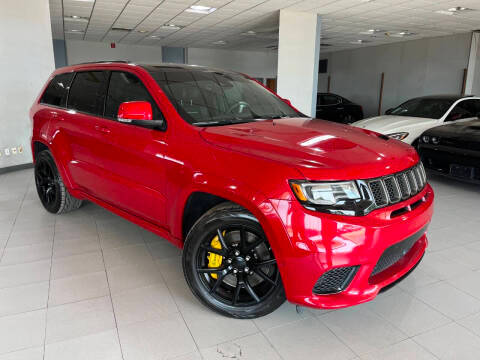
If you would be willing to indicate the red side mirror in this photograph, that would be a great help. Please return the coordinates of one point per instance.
(135, 110)
(288, 102)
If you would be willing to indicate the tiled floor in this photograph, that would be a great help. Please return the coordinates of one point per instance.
(89, 285)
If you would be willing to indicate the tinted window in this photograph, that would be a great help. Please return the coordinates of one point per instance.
(423, 107)
(464, 110)
(87, 92)
(57, 90)
(127, 87)
(471, 105)
(204, 97)
(329, 100)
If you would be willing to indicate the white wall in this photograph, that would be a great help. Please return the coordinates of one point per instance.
(26, 60)
(412, 68)
(79, 51)
(253, 63)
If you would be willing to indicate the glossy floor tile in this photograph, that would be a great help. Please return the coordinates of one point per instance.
(90, 285)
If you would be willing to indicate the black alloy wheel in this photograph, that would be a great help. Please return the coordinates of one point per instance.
(51, 190)
(230, 265)
(47, 184)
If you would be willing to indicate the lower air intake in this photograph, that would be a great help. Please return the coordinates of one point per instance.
(335, 280)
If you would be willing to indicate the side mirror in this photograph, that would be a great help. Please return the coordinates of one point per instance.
(388, 112)
(288, 102)
(137, 113)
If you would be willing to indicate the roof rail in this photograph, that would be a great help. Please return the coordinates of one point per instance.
(104, 61)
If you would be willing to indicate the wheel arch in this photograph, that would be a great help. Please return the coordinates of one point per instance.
(38, 146)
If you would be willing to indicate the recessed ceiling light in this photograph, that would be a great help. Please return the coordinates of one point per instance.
(219, 42)
(155, 36)
(403, 34)
(249, 33)
(359, 41)
(171, 27)
(372, 31)
(445, 12)
(76, 18)
(75, 31)
(459, 8)
(453, 10)
(200, 9)
(142, 31)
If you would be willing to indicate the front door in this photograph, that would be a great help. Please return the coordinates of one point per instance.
(133, 156)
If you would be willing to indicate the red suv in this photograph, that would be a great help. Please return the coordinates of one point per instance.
(267, 204)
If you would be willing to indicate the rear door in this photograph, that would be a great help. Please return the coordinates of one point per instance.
(133, 156)
(83, 132)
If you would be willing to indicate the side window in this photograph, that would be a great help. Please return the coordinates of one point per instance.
(463, 110)
(125, 87)
(56, 92)
(330, 100)
(87, 93)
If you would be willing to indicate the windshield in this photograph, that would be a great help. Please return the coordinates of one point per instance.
(423, 108)
(205, 97)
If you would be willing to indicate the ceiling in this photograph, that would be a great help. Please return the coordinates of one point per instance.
(343, 21)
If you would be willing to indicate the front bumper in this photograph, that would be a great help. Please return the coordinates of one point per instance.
(317, 242)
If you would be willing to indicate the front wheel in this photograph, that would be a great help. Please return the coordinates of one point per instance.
(229, 264)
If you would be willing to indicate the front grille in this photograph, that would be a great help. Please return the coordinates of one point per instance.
(396, 252)
(335, 280)
(400, 186)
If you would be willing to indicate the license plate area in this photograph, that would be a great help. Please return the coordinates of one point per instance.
(461, 171)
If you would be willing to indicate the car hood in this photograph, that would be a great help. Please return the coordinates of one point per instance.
(320, 150)
(388, 124)
(459, 129)
(464, 135)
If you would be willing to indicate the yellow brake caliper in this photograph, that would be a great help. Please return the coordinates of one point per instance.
(215, 260)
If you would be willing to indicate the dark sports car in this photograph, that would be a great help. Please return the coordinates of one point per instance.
(338, 109)
(453, 150)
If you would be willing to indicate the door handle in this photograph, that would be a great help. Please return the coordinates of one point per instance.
(102, 129)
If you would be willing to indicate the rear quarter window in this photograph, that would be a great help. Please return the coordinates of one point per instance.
(57, 91)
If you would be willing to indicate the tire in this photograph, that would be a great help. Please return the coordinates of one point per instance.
(247, 265)
(51, 190)
(348, 119)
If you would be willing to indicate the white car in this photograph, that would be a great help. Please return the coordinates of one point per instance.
(409, 120)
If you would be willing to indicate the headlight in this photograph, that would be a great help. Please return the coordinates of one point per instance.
(398, 135)
(325, 193)
(341, 198)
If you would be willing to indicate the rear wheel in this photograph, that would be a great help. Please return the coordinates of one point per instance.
(51, 190)
(229, 264)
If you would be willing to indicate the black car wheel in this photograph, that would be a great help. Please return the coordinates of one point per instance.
(229, 264)
(348, 119)
(51, 190)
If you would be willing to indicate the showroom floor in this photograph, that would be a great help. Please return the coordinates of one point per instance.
(90, 285)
